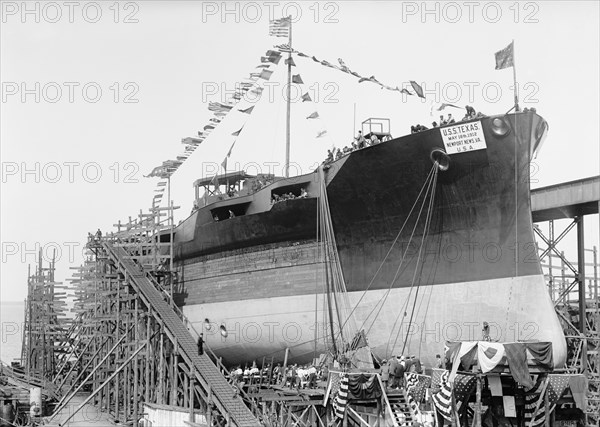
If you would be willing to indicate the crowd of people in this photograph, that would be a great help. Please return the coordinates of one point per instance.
(276, 198)
(469, 115)
(303, 376)
(392, 370)
(359, 142)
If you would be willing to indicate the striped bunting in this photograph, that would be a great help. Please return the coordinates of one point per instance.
(416, 385)
(555, 386)
(414, 406)
(533, 399)
(443, 399)
(341, 399)
(463, 387)
(436, 377)
(335, 379)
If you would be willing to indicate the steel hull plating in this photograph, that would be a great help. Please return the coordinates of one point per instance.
(476, 262)
(516, 309)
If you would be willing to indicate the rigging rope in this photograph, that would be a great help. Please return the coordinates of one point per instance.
(383, 299)
(332, 267)
(430, 186)
(423, 240)
(392, 246)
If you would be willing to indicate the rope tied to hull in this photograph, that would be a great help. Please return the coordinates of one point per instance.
(428, 188)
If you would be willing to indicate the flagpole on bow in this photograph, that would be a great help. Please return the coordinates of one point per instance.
(289, 85)
(516, 91)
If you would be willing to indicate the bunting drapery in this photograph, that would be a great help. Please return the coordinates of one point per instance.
(466, 355)
(516, 356)
(416, 384)
(555, 386)
(364, 386)
(491, 354)
(443, 398)
(341, 399)
(452, 395)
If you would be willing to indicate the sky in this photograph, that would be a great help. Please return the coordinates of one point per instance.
(96, 94)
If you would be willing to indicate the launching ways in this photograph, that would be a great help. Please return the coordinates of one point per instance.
(567, 280)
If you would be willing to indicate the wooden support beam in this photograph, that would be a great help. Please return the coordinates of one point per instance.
(191, 377)
(136, 373)
(91, 396)
(65, 400)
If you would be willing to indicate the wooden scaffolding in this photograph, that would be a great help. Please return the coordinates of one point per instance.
(45, 323)
(130, 344)
(573, 288)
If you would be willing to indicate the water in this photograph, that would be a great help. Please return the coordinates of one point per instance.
(11, 317)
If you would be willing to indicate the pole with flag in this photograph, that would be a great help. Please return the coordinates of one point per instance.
(289, 104)
(283, 28)
(506, 58)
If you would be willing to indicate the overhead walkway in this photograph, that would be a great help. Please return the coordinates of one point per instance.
(566, 200)
(228, 403)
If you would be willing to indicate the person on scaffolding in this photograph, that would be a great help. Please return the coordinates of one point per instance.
(200, 345)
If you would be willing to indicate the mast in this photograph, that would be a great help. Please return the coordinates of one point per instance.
(289, 103)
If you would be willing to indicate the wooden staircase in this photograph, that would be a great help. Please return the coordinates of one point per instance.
(208, 375)
(398, 408)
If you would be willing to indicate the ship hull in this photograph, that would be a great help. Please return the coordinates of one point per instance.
(464, 248)
(516, 309)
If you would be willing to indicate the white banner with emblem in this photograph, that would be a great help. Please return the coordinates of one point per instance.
(463, 137)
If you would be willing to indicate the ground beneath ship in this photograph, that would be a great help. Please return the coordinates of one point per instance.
(88, 416)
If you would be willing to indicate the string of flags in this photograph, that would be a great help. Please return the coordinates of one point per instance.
(504, 59)
(280, 28)
(315, 115)
(418, 90)
(220, 110)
